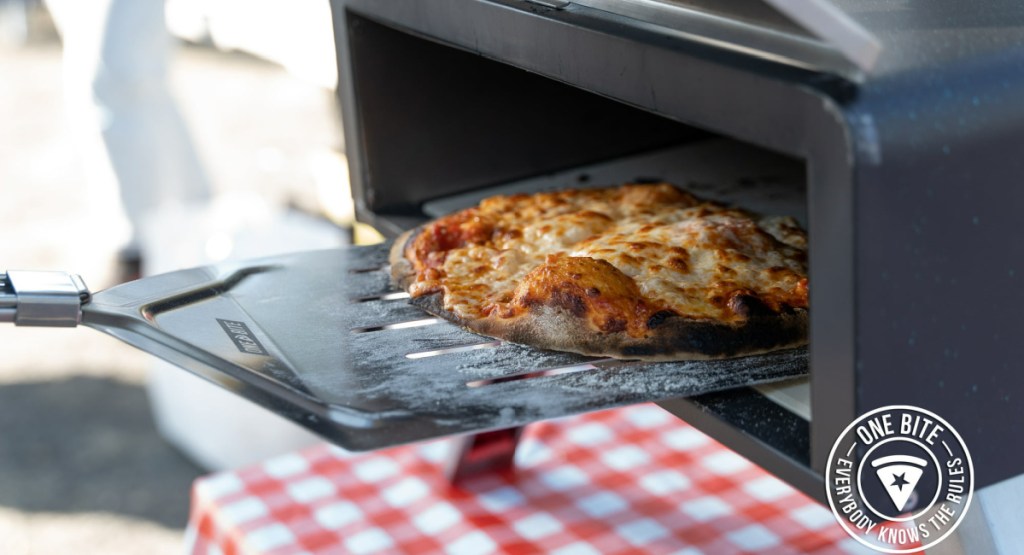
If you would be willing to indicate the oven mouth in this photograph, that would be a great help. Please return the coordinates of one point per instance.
(442, 128)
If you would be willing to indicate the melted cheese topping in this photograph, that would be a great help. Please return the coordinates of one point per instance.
(622, 258)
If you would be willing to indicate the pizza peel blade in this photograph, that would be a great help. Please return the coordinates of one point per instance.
(321, 338)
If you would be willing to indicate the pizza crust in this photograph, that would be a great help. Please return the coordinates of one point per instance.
(403, 274)
(674, 337)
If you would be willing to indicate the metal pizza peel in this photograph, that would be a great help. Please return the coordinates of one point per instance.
(322, 339)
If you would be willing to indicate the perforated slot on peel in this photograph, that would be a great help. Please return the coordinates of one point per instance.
(399, 325)
(450, 350)
(393, 296)
(557, 371)
(385, 267)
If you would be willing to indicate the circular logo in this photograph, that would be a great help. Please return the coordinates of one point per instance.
(899, 479)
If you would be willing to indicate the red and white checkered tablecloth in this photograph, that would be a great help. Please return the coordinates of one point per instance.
(620, 481)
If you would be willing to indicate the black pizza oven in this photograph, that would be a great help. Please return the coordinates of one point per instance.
(906, 170)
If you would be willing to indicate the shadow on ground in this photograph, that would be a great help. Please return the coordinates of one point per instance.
(89, 444)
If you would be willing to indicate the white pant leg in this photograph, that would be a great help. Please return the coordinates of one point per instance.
(116, 57)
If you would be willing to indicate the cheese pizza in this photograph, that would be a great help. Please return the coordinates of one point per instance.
(639, 271)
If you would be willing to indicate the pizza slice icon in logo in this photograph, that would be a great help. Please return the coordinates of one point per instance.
(899, 474)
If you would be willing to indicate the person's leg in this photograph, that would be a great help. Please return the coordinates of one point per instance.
(116, 55)
(145, 135)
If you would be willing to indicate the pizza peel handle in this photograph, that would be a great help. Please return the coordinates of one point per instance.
(42, 299)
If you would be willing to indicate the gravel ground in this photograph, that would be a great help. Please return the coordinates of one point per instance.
(81, 467)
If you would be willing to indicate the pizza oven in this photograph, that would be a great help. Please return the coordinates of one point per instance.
(895, 140)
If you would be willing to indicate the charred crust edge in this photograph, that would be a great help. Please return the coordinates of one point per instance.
(676, 338)
(403, 273)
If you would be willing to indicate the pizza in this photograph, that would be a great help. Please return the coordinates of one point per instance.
(638, 271)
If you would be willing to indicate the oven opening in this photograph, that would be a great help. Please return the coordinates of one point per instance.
(441, 127)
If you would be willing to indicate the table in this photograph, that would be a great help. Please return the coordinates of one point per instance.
(626, 480)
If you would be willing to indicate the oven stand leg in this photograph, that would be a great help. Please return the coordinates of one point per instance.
(484, 453)
(992, 523)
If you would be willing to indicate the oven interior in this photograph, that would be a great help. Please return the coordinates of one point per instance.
(441, 127)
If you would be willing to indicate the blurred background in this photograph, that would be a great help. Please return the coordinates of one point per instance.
(83, 467)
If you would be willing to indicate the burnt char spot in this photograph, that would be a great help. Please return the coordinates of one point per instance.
(658, 318)
(530, 301)
(593, 292)
(748, 305)
(613, 325)
(639, 351)
(713, 339)
(570, 302)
